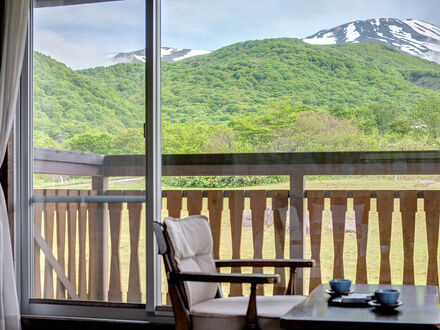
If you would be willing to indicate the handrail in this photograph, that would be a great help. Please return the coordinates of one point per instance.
(89, 199)
(50, 161)
(142, 199)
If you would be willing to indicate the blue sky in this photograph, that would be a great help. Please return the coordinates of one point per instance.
(81, 36)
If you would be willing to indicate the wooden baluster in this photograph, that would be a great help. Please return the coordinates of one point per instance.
(49, 218)
(174, 203)
(115, 212)
(338, 202)
(215, 207)
(194, 206)
(297, 229)
(134, 216)
(194, 202)
(385, 208)
(71, 239)
(279, 207)
(82, 233)
(315, 205)
(38, 214)
(93, 248)
(98, 216)
(258, 208)
(236, 207)
(432, 207)
(194, 199)
(361, 206)
(174, 206)
(408, 208)
(61, 241)
(55, 265)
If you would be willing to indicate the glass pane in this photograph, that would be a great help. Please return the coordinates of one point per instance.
(306, 115)
(89, 151)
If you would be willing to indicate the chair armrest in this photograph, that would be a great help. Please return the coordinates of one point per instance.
(228, 278)
(292, 263)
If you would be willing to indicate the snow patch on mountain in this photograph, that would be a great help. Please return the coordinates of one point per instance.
(427, 29)
(351, 33)
(410, 36)
(191, 53)
(325, 39)
(168, 54)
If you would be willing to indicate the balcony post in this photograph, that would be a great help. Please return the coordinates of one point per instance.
(297, 225)
(100, 184)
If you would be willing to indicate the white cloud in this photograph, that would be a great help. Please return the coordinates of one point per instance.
(118, 26)
(104, 15)
(81, 36)
(209, 24)
(198, 16)
(77, 55)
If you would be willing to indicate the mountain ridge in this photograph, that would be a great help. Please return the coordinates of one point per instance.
(245, 77)
(411, 36)
(168, 54)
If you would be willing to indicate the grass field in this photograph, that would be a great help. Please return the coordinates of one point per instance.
(375, 182)
(328, 183)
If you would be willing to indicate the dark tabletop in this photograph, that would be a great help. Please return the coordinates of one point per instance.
(419, 311)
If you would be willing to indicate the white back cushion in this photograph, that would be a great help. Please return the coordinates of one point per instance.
(191, 250)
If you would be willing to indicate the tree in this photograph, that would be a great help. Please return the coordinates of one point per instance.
(260, 131)
(400, 126)
(129, 141)
(426, 115)
(96, 143)
(384, 115)
(320, 131)
(376, 117)
(41, 140)
(184, 138)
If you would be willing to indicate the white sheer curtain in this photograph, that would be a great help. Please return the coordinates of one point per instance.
(14, 39)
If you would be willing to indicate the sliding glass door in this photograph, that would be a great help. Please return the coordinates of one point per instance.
(90, 121)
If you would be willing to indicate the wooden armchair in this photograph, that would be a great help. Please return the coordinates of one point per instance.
(194, 283)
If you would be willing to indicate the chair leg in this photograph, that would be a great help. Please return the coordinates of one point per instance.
(251, 315)
(290, 290)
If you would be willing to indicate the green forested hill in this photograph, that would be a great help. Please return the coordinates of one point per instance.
(246, 77)
(368, 89)
(67, 103)
(127, 78)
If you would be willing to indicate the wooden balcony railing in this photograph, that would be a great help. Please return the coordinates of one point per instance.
(74, 261)
(82, 276)
(76, 265)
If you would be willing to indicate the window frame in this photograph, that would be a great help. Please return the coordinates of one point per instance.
(23, 216)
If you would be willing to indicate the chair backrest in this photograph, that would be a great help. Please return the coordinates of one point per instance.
(190, 245)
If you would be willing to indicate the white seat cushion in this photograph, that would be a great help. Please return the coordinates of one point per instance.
(191, 250)
(230, 313)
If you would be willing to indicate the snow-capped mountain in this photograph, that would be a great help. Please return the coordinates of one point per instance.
(175, 54)
(167, 54)
(410, 36)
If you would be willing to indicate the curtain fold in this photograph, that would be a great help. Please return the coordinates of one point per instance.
(15, 25)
